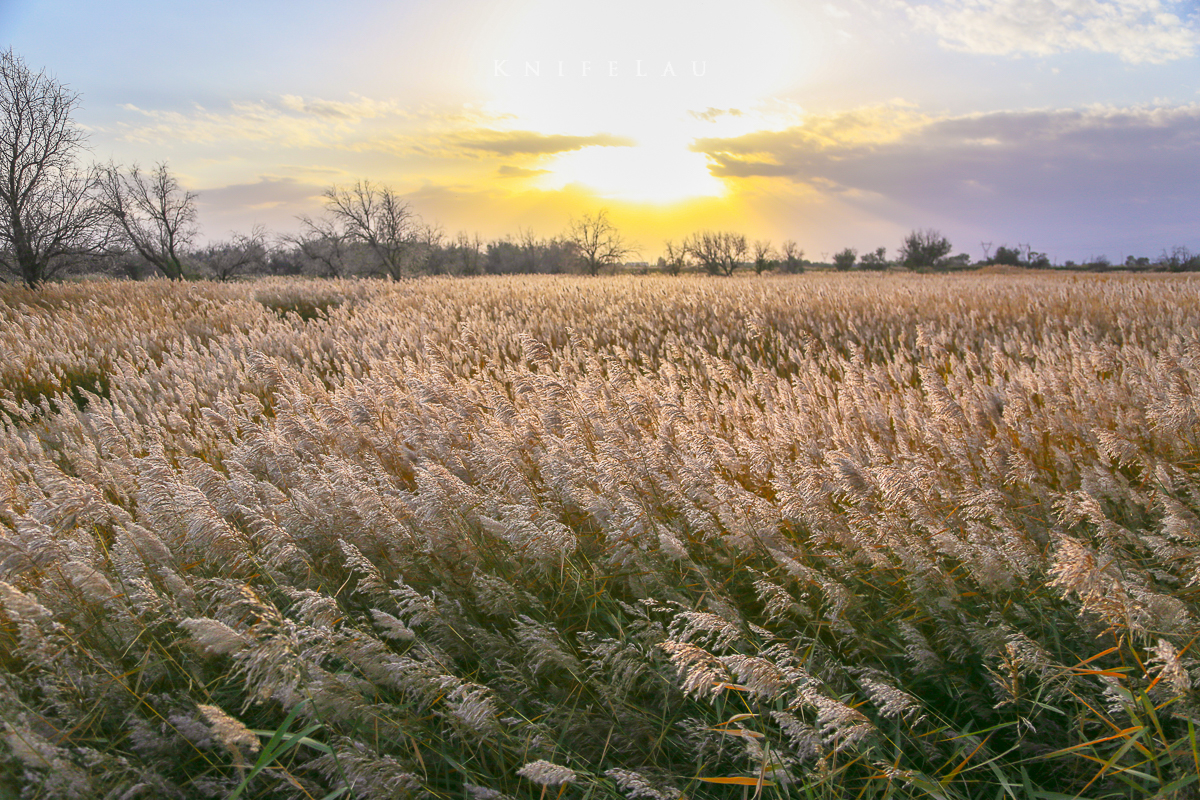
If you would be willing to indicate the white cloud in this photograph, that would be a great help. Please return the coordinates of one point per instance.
(359, 108)
(1137, 31)
(294, 122)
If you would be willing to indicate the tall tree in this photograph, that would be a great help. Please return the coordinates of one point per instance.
(718, 252)
(243, 253)
(764, 257)
(324, 245)
(152, 213)
(597, 241)
(793, 257)
(843, 261)
(467, 254)
(47, 213)
(924, 249)
(676, 257)
(379, 218)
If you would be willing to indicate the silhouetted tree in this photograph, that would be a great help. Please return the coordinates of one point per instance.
(429, 256)
(924, 249)
(764, 259)
(467, 254)
(597, 241)
(675, 259)
(151, 213)
(503, 257)
(528, 254)
(48, 216)
(242, 254)
(717, 252)
(793, 257)
(844, 260)
(876, 260)
(556, 255)
(284, 259)
(1008, 256)
(323, 245)
(378, 218)
(1179, 259)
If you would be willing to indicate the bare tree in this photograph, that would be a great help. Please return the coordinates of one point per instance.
(597, 241)
(530, 250)
(1179, 259)
(764, 258)
(793, 257)
(468, 254)
(47, 213)
(243, 253)
(718, 252)
(676, 257)
(154, 215)
(324, 244)
(379, 218)
(430, 256)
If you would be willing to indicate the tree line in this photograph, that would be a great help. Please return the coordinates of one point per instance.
(58, 217)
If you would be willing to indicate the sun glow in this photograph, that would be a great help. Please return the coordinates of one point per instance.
(658, 171)
(658, 74)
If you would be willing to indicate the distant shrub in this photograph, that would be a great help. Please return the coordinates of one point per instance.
(1179, 259)
(843, 260)
(876, 260)
(924, 249)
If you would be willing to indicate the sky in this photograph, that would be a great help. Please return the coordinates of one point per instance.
(1071, 126)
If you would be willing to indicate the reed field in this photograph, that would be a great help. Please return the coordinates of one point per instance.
(826, 535)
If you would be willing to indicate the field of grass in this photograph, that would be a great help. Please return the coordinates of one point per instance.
(852, 536)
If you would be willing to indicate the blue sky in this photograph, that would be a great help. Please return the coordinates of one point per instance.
(1071, 125)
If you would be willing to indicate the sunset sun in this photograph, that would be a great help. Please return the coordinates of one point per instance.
(621, 75)
(658, 170)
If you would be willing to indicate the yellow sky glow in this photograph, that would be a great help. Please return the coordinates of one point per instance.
(831, 122)
(642, 72)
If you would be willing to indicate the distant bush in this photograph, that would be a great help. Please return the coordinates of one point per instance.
(1179, 259)
(924, 249)
(875, 260)
(1008, 256)
(843, 261)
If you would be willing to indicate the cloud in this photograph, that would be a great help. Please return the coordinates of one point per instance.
(1137, 31)
(244, 122)
(271, 200)
(509, 171)
(508, 143)
(295, 122)
(360, 108)
(784, 152)
(1101, 169)
(712, 114)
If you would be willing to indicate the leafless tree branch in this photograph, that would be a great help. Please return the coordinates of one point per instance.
(152, 214)
(48, 216)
